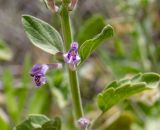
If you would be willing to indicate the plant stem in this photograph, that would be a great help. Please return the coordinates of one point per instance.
(75, 93)
(73, 78)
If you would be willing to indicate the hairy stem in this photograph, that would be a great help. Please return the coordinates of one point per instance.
(73, 78)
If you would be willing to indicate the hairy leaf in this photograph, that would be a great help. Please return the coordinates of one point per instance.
(42, 35)
(34, 121)
(39, 122)
(90, 45)
(117, 91)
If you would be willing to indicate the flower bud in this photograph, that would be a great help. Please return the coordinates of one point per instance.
(52, 6)
(83, 123)
(72, 4)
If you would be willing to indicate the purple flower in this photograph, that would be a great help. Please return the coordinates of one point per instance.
(83, 123)
(72, 57)
(38, 72)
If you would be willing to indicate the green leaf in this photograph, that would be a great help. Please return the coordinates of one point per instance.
(42, 35)
(38, 119)
(34, 121)
(52, 124)
(5, 52)
(117, 91)
(39, 122)
(90, 45)
(90, 28)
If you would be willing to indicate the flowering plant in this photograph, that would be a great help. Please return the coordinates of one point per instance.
(44, 36)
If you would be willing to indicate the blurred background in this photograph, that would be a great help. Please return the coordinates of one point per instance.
(135, 48)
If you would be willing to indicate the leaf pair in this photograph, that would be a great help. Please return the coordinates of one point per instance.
(117, 91)
(39, 122)
(48, 39)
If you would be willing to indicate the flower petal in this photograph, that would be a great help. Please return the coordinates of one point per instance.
(38, 72)
(39, 69)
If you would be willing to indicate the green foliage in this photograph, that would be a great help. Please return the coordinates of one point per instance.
(3, 124)
(39, 122)
(42, 35)
(5, 51)
(124, 122)
(117, 91)
(90, 28)
(90, 45)
(40, 97)
(52, 124)
(118, 64)
(11, 103)
(26, 67)
(58, 87)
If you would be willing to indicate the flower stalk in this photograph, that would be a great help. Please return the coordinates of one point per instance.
(73, 78)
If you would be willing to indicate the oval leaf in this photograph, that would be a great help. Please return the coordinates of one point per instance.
(42, 35)
(90, 45)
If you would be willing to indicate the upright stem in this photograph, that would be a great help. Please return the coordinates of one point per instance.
(73, 78)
